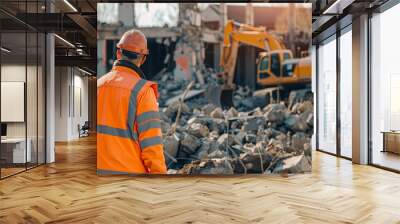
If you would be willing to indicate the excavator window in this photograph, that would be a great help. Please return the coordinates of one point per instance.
(264, 64)
(288, 69)
(286, 56)
(275, 64)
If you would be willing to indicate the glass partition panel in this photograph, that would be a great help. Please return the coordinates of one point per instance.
(346, 94)
(22, 88)
(14, 153)
(385, 89)
(31, 98)
(327, 96)
(41, 98)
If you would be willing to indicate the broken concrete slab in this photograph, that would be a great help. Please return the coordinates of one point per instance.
(232, 112)
(299, 96)
(226, 140)
(212, 166)
(208, 108)
(254, 124)
(202, 152)
(171, 146)
(198, 130)
(296, 123)
(250, 138)
(217, 113)
(295, 164)
(275, 113)
(173, 108)
(307, 149)
(190, 143)
(298, 140)
(165, 127)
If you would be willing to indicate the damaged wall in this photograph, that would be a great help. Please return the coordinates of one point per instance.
(160, 51)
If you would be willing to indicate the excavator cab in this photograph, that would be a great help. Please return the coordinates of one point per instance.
(269, 66)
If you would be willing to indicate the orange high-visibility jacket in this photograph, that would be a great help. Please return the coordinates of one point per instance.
(129, 138)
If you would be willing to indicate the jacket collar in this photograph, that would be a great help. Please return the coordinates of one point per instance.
(130, 65)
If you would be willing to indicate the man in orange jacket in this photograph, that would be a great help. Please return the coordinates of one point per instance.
(129, 138)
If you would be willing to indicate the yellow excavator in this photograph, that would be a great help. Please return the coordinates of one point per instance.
(276, 66)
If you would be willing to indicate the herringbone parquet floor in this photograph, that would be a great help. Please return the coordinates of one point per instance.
(69, 191)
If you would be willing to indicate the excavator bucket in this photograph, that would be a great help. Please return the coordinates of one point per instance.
(226, 98)
(213, 93)
(219, 96)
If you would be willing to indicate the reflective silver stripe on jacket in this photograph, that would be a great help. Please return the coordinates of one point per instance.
(149, 115)
(123, 133)
(132, 103)
(142, 127)
(147, 142)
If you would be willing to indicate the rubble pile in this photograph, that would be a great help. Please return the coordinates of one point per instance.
(254, 136)
(209, 140)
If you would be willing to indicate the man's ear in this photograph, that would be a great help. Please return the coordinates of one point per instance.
(142, 60)
(119, 54)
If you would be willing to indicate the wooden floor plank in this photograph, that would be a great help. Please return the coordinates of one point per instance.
(69, 191)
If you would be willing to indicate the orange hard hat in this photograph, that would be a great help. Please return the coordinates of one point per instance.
(134, 41)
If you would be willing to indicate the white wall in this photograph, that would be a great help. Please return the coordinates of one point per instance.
(33, 126)
(12, 73)
(71, 94)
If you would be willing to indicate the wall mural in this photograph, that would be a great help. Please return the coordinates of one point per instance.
(204, 88)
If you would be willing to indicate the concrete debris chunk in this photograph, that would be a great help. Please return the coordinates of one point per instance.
(217, 113)
(307, 149)
(295, 164)
(198, 130)
(275, 113)
(251, 138)
(165, 127)
(171, 146)
(213, 135)
(296, 123)
(211, 166)
(190, 143)
(299, 139)
(299, 96)
(172, 110)
(226, 140)
(254, 124)
(208, 108)
(202, 152)
(232, 112)
(216, 154)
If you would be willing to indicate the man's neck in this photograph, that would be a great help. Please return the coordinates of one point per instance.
(128, 64)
